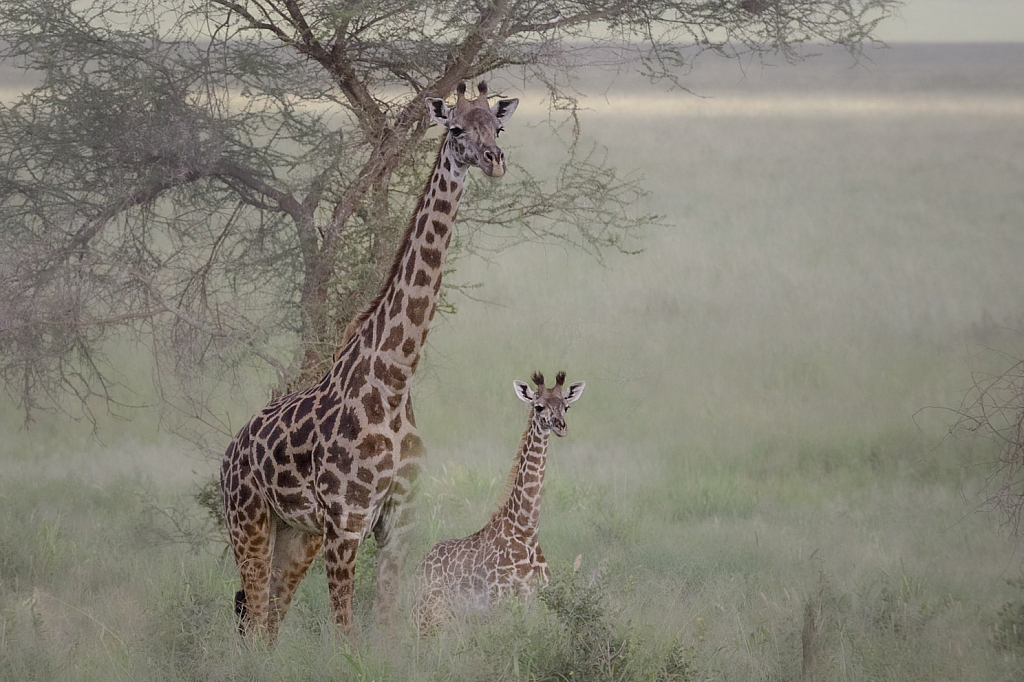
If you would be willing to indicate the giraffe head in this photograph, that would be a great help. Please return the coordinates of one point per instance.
(473, 128)
(549, 404)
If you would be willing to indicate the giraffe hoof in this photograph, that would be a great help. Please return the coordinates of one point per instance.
(240, 611)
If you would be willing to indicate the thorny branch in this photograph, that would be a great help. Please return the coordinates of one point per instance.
(992, 412)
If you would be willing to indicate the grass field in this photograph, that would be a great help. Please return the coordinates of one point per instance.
(757, 472)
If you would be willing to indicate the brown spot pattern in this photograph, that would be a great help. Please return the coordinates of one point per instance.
(422, 278)
(430, 256)
(394, 339)
(373, 407)
(417, 309)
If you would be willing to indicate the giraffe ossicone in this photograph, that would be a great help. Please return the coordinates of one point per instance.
(328, 465)
(504, 557)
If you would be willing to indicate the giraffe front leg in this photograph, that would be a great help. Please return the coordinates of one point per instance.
(542, 567)
(392, 530)
(294, 551)
(341, 542)
(391, 533)
(389, 565)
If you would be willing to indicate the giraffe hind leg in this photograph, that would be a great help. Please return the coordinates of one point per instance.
(252, 536)
(254, 565)
(341, 542)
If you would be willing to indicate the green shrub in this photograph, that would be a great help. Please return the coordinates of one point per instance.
(593, 645)
(900, 604)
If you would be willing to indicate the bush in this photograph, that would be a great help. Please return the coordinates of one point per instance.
(1010, 620)
(593, 646)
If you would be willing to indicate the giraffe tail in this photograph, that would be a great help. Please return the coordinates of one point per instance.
(240, 611)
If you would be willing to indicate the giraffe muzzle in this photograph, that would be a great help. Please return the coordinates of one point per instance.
(493, 163)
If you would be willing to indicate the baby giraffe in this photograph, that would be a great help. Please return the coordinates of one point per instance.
(502, 558)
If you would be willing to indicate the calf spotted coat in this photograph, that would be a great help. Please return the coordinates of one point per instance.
(504, 557)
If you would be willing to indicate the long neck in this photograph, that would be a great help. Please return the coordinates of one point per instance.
(520, 505)
(395, 325)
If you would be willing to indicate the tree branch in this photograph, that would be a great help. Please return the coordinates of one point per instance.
(286, 203)
(253, 21)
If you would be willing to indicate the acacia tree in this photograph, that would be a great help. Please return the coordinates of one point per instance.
(226, 179)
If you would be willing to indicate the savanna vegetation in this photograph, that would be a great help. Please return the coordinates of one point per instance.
(758, 482)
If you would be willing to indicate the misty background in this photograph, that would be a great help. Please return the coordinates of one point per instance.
(771, 381)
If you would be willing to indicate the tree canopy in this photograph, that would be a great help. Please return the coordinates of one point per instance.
(227, 179)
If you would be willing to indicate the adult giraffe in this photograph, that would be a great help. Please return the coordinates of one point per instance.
(328, 465)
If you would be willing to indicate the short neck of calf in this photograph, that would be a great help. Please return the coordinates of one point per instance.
(520, 510)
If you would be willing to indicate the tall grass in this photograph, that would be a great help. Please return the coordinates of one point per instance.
(749, 482)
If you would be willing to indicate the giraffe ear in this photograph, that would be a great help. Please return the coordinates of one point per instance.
(438, 110)
(524, 391)
(504, 108)
(572, 393)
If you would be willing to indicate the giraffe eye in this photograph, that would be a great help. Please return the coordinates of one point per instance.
(455, 131)
(538, 408)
